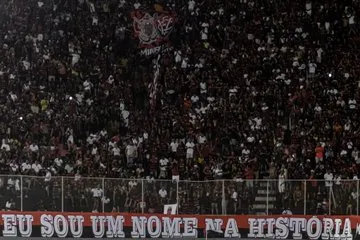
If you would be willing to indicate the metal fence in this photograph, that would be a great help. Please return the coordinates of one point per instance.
(220, 197)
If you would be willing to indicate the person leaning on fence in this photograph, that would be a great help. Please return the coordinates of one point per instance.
(328, 177)
(281, 182)
(10, 205)
(175, 171)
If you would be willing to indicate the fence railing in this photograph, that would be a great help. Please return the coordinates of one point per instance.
(221, 197)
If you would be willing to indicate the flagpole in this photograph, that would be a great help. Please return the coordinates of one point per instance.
(155, 82)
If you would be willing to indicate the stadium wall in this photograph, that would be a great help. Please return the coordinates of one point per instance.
(117, 225)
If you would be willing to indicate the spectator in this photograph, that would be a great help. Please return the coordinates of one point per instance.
(10, 205)
(282, 183)
(328, 176)
(97, 193)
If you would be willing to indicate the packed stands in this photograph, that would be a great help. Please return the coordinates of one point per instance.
(253, 89)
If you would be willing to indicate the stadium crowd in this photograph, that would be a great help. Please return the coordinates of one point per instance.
(253, 89)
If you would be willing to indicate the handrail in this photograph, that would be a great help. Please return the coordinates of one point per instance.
(222, 196)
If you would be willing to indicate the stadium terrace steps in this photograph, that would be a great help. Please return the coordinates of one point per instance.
(263, 196)
(263, 199)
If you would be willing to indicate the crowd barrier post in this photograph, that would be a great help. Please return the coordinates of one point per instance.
(267, 197)
(305, 196)
(177, 197)
(223, 200)
(330, 202)
(103, 195)
(142, 196)
(62, 194)
(22, 194)
(357, 197)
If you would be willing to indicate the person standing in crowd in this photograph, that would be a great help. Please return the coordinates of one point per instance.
(97, 194)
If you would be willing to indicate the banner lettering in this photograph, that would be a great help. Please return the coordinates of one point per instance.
(125, 225)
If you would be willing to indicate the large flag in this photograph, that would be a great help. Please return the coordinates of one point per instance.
(153, 30)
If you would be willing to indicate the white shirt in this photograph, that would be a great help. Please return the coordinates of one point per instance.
(97, 192)
(328, 178)
(204, 35)
(352, 103)
(34, 148)
(25, 166)
(234, 196)
(17, 185)
(94, 151)
(5, 147)
(90, 140)
(87, 85)
(130, 149)
(308, 8)
(190, 147)
(174, 146)
(125, 114)
(58, 162)
(355, 155)
(338, 180)
(177, 56)
(352, 20)
(343, 152)
(245, 152)
(258, 122)
(194, 99)
(14, 167)
(203, 87)
(163, 163)
(95, 20)
(218, 171)
(201, 139)
(111, 145)
(75, 58)
(103, 133)
(318, 109)
(71, 139)
(11, 182)
(116, 151)
(287, 212)
(132, 183)
(36, 167)
(319, 53)
(77, 177)
(69, 168)
(282, 177)
(48, 176)
(312, 67)
(191, 5)
(8, 205)
(137, 5)
(184, 63)
(162, 193)
(250, 139)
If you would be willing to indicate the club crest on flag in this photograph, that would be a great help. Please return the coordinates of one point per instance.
(153, 30)
(145, 29)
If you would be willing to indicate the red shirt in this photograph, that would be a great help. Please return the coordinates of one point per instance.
(313, 181)
(249, 174)
(319, 152)
(175, 170)
(153, 164)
